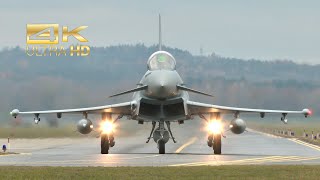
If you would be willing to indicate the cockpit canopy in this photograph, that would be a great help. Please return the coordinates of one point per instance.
(161, 60)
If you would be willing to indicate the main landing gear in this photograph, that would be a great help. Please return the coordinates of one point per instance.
(107, 141)
(107, 136)
(215, 131)
(214, 141)
(161, 135)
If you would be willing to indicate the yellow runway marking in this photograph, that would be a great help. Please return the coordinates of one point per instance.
(269, 159)
(139, 157)
(224, 162)
(265, 159)
(101, 161)
(306, 144)
(15, 154)
(263, 133)
(191, 141)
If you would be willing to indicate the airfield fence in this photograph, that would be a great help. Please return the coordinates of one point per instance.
(289, 133)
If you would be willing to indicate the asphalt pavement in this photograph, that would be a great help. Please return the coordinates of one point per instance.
(191, 150)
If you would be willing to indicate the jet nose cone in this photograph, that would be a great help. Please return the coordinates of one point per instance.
(162, 90)
(161, 85)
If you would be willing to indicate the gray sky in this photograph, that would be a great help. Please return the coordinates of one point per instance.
(270, 29)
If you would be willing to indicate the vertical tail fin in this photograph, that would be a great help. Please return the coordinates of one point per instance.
(160, 35)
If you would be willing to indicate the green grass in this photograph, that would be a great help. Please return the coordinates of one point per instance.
(39, 132)
(297, 128)
(66, 130)
(207, 172)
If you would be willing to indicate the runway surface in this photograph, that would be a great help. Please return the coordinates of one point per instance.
(191, 150)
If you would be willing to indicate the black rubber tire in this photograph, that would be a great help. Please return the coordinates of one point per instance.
(162, 147)
(217, 144)
(104, 144)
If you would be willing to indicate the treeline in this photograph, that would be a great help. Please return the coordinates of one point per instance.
(63, 82)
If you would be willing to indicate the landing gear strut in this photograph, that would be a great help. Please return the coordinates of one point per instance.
(161, 135)
(169, 129)
(153, 126)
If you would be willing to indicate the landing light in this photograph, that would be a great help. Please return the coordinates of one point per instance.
(215, 127)
(107, 127)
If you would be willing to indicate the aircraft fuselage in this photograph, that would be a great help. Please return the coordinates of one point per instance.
(162, 100)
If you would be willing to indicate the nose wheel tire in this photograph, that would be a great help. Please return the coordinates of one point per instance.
(162, 147)
(104, 144)
(217, 144)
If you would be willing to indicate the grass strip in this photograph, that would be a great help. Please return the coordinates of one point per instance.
(204, 172)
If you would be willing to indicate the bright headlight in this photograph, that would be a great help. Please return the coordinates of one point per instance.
(107, 127)
(215, 127)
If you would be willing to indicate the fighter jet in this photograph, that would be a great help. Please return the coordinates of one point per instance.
(161, 98)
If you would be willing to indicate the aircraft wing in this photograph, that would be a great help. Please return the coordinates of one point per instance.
(202, 108)
(121, 108)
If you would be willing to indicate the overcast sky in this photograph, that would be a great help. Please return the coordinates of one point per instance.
(270, 29)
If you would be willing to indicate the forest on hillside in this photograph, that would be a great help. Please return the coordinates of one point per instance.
(30, 83)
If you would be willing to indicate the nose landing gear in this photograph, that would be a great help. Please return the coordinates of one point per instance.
(161, 135)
